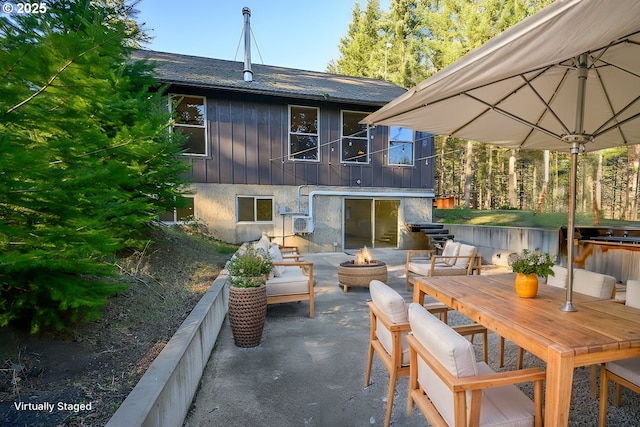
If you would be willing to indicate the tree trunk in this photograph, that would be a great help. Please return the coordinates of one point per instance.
(512, 179)
(467, 175)
(633, 177)
(597, 191)
(545, 182)
(443, 170)
(489, 194)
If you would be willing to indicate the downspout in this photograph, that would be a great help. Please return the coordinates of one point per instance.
(246, 72)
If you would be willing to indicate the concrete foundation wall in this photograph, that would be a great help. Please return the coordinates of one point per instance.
(163, 395)
(216, 208)
(494, 243)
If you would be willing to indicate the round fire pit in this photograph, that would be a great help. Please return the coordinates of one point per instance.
(352, 274)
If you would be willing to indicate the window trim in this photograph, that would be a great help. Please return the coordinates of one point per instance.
(255, 208)
(175, 212)
(413, 147)
(343, 137)
(171, 96)
(289, 133)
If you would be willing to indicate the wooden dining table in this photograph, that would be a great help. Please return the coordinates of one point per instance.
(599, 331)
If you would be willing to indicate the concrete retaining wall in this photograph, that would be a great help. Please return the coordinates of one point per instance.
(163, 395)
(494, 243)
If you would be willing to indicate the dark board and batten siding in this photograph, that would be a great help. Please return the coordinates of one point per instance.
(248, 144)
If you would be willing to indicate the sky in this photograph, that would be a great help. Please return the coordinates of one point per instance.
(300, 34)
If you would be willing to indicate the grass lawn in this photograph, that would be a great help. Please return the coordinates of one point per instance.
(517, 218)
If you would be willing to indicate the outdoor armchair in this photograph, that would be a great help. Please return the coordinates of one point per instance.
(452, 389)
(456, 259)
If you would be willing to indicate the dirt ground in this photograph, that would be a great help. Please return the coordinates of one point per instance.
(79, 377)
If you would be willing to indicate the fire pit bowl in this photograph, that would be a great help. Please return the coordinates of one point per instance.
(351, 273)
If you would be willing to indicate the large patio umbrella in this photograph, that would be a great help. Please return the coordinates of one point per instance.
(564, 79)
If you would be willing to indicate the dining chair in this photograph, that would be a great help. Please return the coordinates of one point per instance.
(388, 328)
(622, 372)
(451, 389)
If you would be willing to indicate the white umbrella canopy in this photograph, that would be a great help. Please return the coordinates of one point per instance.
(520, 89)
(564, 79)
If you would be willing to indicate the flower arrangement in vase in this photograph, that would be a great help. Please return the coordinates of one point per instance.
(249, 267)
(530, 265)
(248, 270)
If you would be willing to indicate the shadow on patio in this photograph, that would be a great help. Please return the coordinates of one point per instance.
(310, 372)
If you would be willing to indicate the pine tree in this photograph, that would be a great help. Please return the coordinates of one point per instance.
(87, 159)
(361, 41)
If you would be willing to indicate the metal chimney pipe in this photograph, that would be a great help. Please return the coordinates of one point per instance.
(247, 73)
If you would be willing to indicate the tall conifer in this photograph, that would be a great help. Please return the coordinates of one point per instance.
(86, 157)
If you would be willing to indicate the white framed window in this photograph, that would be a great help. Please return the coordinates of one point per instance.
(303, 133)
(181, 215)
(400, 151)
(190, 118)
(254, 208)
(354, 139)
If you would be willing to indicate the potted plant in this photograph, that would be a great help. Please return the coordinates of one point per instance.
(530, 265)
(248, 270)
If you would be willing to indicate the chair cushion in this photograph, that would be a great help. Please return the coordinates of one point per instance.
(421, 268)
(593, 284)
(467, 251)
(262, 244)
(393, 306)
(504, 406)
(627, 368)
(292, 281)
(559, 279)
(276, 255)
(390, 302)
(451, 249)
(633, 293)
(447, 270)
(451, 349)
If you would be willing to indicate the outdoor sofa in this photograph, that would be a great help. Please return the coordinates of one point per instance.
(291, 279)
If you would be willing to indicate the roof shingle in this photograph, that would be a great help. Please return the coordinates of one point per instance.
(268, 80)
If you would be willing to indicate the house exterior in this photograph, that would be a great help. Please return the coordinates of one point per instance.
(284, 154)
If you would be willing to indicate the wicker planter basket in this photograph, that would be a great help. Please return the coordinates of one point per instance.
(247, 314)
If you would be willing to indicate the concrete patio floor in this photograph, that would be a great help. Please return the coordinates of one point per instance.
(310, 372)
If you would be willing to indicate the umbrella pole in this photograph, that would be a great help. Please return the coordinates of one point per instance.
(568, 305)
(576, 139)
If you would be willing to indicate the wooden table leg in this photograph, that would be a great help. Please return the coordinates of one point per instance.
(560, 365)
(418, 295)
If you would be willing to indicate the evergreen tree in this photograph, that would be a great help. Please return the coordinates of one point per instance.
(87, 158)
(361, 41)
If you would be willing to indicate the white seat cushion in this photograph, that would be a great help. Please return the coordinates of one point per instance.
(633, 293)
(593, 284)
(627, 368)
(504, 406)
(559, 279)
(292, 281)
(392, 304)
(276, 256)
(263, 244)
(451, 248)
(421, 268)
(467, 251)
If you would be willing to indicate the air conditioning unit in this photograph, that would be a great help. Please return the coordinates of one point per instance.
(302, 224)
